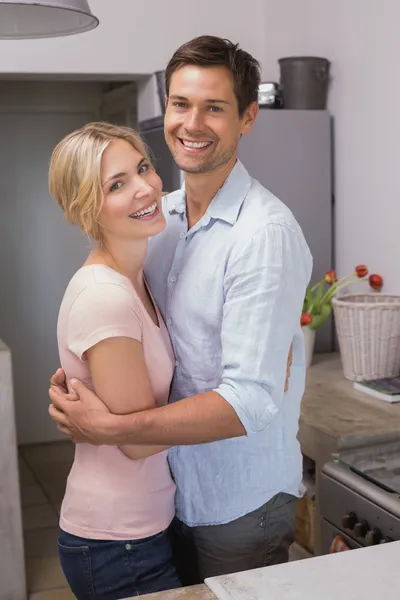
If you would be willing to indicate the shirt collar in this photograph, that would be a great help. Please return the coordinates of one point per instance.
(228, 200)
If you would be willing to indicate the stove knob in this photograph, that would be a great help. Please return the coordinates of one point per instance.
(349, 520)
(361, 528)
(373, 537)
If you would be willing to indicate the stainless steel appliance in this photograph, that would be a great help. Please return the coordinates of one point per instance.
(269, 95)
(290, 153)
(359, 497)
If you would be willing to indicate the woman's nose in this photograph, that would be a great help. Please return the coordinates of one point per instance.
(143, 190)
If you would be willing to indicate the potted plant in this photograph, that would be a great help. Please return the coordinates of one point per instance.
(317, 305)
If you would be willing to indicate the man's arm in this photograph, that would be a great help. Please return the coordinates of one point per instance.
(264, 293)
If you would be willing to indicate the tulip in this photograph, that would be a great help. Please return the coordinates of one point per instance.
(361, 271)
(305, 319)
(376, 282)
(330, 277)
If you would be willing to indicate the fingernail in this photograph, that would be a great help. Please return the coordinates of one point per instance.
(73, 381)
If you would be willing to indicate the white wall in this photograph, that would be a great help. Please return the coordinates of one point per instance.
(361, 39)
(39, 251)
(135, 38)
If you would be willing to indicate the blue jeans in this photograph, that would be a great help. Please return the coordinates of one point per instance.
(111, 570)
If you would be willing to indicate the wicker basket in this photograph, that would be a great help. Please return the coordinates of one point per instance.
(368, 329)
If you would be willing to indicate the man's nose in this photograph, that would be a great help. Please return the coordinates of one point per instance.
(194, 121)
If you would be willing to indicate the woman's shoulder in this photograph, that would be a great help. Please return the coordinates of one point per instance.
(99, 286)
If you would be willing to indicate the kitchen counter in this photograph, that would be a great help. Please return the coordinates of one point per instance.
(12, 567)
(366, 574)
(334, 412)
(195, 592)
(335, 417)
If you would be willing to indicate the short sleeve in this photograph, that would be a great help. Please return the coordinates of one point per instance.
(101, 311)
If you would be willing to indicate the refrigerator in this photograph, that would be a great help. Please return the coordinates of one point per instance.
(290, 153)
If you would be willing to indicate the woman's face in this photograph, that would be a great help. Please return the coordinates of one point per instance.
(132, 194)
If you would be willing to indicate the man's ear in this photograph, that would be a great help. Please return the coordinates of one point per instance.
(249, 117)
(166, 101)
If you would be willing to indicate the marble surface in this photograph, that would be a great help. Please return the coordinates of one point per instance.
(366, 574)
(195, 592)
(332, 407)
(12, 566)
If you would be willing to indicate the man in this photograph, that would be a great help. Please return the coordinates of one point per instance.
(229, 274)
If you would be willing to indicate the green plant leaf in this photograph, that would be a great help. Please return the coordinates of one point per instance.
(308, 300)
(319, 320)
(319, 293)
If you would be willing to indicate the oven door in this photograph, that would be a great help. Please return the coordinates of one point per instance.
(328, 534)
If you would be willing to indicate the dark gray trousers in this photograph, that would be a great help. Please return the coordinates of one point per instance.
(258, 539)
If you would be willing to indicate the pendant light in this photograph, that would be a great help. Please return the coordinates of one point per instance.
(28, 19)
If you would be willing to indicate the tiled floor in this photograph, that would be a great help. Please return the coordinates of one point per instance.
(43, 473)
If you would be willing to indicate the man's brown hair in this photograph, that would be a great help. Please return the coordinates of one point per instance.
(212, 51)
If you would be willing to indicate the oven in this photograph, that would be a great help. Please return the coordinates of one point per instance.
(359, 497)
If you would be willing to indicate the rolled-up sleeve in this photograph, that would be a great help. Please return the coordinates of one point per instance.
(264, 291)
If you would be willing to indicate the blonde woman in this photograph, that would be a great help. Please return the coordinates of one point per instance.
(119, 502)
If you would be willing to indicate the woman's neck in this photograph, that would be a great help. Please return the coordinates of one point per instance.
(125, 257)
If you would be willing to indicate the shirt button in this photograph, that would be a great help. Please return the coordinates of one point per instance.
(177, 363)
(173, 279)
(182, 235)
(169, 321)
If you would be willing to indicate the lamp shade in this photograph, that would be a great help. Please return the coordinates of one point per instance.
(27, 19)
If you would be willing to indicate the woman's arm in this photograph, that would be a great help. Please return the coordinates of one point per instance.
(120, 378)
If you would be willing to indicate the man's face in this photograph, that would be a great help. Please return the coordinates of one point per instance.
(202, 125)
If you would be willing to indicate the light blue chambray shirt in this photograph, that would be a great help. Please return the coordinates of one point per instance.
(231, 292)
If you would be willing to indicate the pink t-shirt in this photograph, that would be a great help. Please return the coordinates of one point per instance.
(108, 495)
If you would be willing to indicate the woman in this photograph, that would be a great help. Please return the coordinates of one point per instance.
(119, 502)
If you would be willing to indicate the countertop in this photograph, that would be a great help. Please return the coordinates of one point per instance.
(364, 574)
(195, 592)
(334, 410)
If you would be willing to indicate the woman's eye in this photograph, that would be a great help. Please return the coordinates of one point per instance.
(115, 186)
(143, 168)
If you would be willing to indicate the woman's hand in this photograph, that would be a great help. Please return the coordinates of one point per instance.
(288, 365)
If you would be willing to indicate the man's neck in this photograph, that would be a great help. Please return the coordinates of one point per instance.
(201, 188)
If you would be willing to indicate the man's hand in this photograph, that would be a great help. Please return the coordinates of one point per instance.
(288, 365)
(59, 381)
(85, 419)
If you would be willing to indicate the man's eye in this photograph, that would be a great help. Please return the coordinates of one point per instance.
(179, 104)
(215, 109)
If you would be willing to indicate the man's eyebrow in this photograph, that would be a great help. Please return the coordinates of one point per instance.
(209, 100)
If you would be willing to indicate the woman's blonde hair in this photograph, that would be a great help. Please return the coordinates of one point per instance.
(74, 173)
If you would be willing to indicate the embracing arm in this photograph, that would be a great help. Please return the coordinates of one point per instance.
(264, 292)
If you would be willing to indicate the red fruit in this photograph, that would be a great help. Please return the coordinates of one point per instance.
(361, 271)
(376, 282)
(305, 319)
(330, 277)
